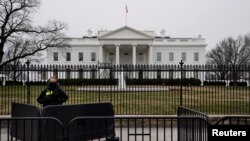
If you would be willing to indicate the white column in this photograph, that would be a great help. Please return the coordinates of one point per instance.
(101, 54)
(134, 54)
(150, 55)
(117, 55)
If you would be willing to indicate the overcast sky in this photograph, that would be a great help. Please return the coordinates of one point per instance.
(213, 19)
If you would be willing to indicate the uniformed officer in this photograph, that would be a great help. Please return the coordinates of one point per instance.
(52, 95)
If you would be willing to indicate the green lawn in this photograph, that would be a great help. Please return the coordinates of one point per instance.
(208, 99)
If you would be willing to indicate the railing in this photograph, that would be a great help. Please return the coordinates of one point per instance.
(86, 128)
(240, 125)
(186, 127)
(233, 120)
(187, 112)
(31, 129)
(134, 90)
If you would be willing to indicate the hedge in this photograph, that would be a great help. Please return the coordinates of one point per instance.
(36, 83)
(185, 82)
(231, 83)
(80, 82)
(14, 83)
(214, 83)
(223, 83)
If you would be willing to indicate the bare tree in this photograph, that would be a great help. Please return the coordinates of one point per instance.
(231, 51)
(18, 35)
(231, 54)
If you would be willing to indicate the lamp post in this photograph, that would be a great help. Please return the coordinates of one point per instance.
(181, 64)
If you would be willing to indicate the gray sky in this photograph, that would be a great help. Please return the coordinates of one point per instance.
(213, 19)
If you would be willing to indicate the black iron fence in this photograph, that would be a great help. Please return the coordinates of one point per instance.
(213, 129)
(146, 128)
(72, 126)
(31, 129)
(86, 128)
(134, 90)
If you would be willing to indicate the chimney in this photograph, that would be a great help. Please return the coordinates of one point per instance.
(199, 37)
(163, 32)
(89, 33)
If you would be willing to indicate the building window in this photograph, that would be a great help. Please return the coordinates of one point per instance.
(111, 74)
(68, 56)
(93, 74)
(171, 56)
(158, 56)
(171, 74)
(140, 74)
(80, 73)
(183, 56)
(55, 56)
(140, 57)
(126, 58)
(158, 74)
(196, 74)
(68, 74)
(44, 74)
(196, 56)
(183, 75)
(55, 73)
(93, 56)
(80, 56)
(111, 57)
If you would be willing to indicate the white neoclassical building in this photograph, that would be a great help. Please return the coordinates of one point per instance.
(127, 45)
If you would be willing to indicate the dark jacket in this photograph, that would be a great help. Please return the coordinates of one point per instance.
(52, 97)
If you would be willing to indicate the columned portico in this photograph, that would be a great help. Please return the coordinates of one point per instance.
(117, 54)
(131, 54)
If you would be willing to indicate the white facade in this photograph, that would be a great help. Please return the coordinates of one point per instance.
(129, 46)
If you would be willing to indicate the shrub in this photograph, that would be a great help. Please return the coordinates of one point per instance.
(231, 83)
(14, 83)
(172, 82)
(214, 83)
(36, 83)
(80, 82)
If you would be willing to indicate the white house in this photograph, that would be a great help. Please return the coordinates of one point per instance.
(127, 45)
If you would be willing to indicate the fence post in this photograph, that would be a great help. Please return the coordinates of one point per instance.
(27, 82)
(99, 85)
(181, 63)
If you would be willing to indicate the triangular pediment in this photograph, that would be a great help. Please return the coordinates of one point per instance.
(125, 33)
